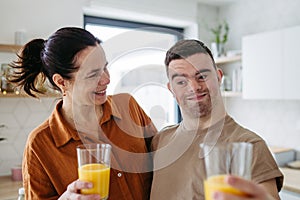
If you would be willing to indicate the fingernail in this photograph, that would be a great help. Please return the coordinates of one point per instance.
(90, 185)
(216, 195)
(230, 180)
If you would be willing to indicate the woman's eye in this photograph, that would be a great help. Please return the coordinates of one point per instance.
(91, 76)
(94, 75)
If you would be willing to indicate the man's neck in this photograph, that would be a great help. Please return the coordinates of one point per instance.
(203, 122)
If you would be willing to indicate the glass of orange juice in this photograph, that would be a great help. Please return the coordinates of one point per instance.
(94, 166)
(223, 159)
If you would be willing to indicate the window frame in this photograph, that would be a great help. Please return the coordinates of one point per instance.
(177, 31)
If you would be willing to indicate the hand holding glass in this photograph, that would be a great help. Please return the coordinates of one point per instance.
(94, 166)
(224, 159)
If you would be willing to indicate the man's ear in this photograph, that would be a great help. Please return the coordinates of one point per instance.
(170, 88)
(219, 75)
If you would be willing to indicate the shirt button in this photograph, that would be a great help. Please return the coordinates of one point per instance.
(119, 174)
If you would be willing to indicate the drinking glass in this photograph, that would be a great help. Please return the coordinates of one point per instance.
(224, 159)
(94, 166)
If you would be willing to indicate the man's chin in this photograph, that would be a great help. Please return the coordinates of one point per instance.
(198, 113)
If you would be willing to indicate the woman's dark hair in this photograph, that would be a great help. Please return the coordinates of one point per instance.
(185, 48)
(41, 59)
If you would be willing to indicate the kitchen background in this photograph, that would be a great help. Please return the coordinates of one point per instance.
(276, 120)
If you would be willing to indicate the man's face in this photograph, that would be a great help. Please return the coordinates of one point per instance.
(195, 84)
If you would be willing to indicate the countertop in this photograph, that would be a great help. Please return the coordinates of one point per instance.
(9, 188)
(291, 179)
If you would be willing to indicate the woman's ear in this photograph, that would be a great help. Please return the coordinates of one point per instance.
(60, 82)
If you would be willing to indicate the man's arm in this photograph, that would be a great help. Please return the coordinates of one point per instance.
(271, 188)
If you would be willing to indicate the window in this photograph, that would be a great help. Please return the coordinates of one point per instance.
(135, 52)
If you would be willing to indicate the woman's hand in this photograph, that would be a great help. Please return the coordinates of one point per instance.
(254, 191)
(73, 189)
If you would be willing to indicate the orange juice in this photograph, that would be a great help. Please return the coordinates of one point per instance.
(217, 183)
(98, 174)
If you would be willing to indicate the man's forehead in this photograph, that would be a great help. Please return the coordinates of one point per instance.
(194, 62)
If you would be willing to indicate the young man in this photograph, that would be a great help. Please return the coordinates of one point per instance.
(194, 80)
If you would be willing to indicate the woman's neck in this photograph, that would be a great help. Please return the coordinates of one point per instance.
(83, 118)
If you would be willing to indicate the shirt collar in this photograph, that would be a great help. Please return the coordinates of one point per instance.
(62, 132)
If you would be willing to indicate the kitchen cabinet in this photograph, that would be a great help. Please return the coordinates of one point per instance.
(291, 184)
(270, 65)
(262, 61)
(226, 64)
(291, 63)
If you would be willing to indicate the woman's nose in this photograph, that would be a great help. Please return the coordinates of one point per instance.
(105, 78)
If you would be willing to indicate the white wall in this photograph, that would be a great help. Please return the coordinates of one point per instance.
(276, 121)
(254, 16)
(40, 18)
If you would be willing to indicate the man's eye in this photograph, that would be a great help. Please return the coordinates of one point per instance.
(180, 82)
(201, 77)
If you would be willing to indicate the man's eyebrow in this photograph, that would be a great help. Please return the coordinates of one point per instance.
(177, 74)
(185, 75)
(202, 71)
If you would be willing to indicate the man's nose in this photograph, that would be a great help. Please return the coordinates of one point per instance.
(194, 85)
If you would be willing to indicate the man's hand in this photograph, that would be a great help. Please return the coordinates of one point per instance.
(254, 191)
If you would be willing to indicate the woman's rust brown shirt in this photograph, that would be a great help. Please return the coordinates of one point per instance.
(50, 161)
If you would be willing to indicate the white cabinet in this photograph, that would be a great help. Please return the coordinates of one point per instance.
(271, 65)
(262, 61)
(291, 63)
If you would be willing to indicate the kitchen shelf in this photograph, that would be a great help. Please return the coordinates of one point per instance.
(22, 95)
(228, 59)
(10, 48)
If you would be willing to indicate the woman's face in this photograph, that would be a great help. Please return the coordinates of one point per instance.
(88, 87)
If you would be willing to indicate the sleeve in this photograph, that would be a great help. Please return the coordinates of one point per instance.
(149, 128)
(264, 167)
(36, 183)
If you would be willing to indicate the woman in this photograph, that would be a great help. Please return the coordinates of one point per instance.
(75, 64)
